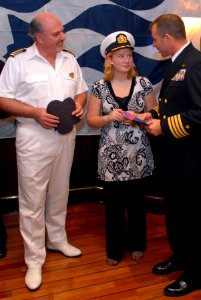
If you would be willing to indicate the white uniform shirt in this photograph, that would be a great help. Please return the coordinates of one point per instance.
(29, 78)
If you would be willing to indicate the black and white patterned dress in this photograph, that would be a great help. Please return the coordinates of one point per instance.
(124, 150)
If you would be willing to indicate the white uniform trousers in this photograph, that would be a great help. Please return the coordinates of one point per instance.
(44, 160)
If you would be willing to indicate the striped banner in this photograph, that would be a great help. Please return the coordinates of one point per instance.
(86, 23)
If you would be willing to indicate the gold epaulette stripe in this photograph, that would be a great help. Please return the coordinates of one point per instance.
(65, 50)
(176, 127)
(14, 53)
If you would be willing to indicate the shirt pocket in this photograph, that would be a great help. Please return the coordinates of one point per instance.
(70, 84)
(177, 84)
(36, 78)
(37, 87)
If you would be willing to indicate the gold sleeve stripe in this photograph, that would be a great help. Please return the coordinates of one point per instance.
(171, 127)
(176, 127)
(156, 108)
(185, 133)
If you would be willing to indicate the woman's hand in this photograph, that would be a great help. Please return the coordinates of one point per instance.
(116, 115)
(129, 119)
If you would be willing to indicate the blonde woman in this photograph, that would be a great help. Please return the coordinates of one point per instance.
(125, 158)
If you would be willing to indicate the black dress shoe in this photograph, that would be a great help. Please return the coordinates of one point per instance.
(3, 251)
(180, 287)
(165, 267)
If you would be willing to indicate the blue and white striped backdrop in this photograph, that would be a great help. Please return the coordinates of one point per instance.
(86, 23)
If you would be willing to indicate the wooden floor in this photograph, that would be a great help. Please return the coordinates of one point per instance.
(89, 277)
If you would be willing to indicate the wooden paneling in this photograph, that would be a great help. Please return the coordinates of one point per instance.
(89, 276)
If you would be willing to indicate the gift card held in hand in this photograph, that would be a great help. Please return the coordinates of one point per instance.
(131, 116)
(136, 119)
(63, 110)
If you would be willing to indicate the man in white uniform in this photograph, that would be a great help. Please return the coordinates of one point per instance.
(31, 79)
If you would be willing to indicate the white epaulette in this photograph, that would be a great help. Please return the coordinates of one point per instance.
(65, 50)
(14, 53)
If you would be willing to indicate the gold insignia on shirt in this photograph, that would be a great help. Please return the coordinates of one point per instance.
(21, 50)
(72, 75)
(187, 126)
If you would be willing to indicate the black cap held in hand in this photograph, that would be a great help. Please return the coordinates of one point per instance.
(63, 110)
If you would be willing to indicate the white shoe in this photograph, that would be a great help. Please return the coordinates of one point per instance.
(33, 278)
(66, 249)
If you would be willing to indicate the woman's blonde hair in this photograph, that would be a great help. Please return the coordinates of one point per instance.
(108, 69)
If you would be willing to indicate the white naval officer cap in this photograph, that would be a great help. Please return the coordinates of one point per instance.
(115, 41)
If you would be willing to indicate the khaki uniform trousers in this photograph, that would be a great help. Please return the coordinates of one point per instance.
(44, 160)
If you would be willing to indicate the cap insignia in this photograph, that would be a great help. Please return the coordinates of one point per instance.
(122, 39)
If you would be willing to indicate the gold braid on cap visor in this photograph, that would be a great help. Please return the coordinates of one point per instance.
(119, 47)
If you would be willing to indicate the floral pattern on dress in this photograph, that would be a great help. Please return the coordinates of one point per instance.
(124, 150)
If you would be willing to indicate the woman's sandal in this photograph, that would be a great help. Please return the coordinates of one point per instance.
(111, 262)
(137, 255)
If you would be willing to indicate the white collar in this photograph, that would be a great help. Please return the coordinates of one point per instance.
(178, 52)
